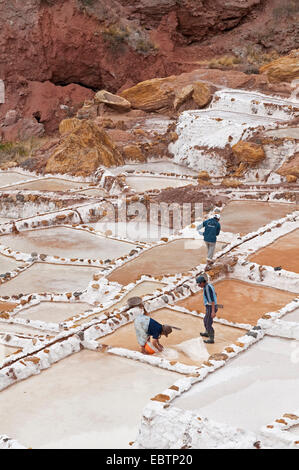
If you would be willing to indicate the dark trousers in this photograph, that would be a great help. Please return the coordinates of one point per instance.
(208, 320)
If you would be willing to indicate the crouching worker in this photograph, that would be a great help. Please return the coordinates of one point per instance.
(147, 327)
(210, 301)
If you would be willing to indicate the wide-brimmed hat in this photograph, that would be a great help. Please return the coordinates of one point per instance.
(135, 301)
(166, 330)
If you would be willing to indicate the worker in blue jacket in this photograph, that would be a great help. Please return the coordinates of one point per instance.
(212, 229)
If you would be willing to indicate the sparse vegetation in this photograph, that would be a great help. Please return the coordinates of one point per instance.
(224, 61)
(19, 151)
(115, 36)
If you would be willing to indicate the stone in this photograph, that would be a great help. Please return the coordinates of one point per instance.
(231, 182)
(291, 178)
(182, 95)
(218, 357)
(68, 125)
(114, 101)
(151, 95)
(203, 175)
(248, 152)
(284, 69)
(290, 168)
(161, 397)
(11, 117)
(201, 94)
(133, 152)
(83, 150)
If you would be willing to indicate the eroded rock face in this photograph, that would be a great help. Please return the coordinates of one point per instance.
(47, 45)
(83, 150)
(284, 69)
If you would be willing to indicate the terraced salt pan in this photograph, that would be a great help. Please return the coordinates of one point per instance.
(157, 167)
(22, 329)
(176, 256)
(49, 278)
(11, 177)
(231, 116)
(293, 316)
(8, 264)
(96, 192)
(97, 404)
(66, 242)
(292, 132)
(248, 216)
(135, 231)
(252, 390)
(184, 346)
(6, 351)
(142, 289)
(53, 312)
(146, 183)
(255, 104)
(283, 252)
(3, 220)
(50, 184)
(243, 302)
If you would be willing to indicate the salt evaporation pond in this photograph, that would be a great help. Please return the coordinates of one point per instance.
(252, 390)
(146, 183)
(11, 177)
(66, 242)
(243, 302)
(293, 316)
(174, 257)
(135, 231)
(184, 346)
(53, 312)
(49, 278)
(50, 184)
(248, 216)
(8, 264)
(156, 167)
(283, 252)
(88, 400)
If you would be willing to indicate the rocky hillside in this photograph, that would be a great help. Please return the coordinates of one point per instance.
(54, 54)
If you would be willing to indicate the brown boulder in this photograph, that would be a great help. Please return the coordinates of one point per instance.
(284, 69)
(291, 167)
(151, 95)
(248, 152)
(133, 152)
(83, 150)
(112, 100)
(201, 94)
(68, 125)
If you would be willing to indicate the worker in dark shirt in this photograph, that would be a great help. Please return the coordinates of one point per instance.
(147, 327)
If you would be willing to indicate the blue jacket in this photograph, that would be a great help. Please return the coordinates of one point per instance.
(209, 294)
(212, 229)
